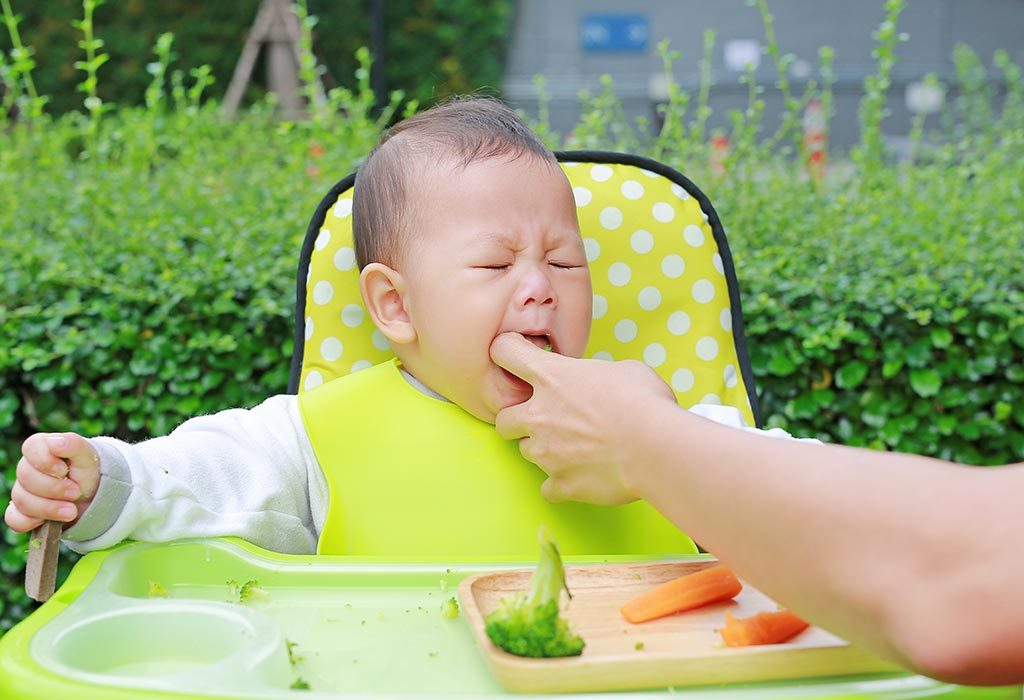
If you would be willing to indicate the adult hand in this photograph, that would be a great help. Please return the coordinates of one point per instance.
(577, 426)
(57, 476)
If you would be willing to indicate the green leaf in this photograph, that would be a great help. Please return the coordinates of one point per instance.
(946, 424)
(941, 337)
(802, 407)
(919, 353)
(851, 375)
(781, 365)
(1002, 411)
(925, 382)
(891, 368)
(1017, 335)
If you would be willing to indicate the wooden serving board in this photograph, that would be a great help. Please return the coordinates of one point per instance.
(681, 649)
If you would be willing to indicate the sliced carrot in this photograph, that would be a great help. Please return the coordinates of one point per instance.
(762, 628)
(684, 593)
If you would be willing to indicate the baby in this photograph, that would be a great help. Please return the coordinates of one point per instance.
(465, 228)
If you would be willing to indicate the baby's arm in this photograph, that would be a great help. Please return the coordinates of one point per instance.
(248, 473)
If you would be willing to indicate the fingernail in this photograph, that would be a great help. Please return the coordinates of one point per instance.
(68, 512)
(57, 441)
(72, 492)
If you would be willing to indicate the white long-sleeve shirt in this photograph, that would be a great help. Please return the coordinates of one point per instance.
(251, 473)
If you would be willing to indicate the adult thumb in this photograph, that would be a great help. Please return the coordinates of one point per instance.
(518, 355)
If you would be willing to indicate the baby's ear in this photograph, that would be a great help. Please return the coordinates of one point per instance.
(383, 290)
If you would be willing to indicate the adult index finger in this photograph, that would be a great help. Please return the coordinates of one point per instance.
(511, 422)
(519, 356)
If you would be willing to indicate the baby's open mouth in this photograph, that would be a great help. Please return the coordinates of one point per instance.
(541, 340)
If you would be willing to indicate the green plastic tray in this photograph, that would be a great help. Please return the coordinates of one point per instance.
(162, 621)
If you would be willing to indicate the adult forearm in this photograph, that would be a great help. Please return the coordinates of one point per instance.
(876, 547)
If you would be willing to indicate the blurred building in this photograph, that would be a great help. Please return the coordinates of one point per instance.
(573, 42)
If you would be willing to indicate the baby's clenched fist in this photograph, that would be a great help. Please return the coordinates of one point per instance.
(57, 476)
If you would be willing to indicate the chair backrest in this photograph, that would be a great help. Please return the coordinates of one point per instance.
(665, 289)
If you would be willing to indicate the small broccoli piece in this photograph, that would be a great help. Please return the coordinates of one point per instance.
(450, 608)
(156, 590)
(300, 684)
(241, 592)
(529, 624)
(293, 658)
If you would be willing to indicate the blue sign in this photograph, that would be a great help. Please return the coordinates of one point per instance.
(614, 33)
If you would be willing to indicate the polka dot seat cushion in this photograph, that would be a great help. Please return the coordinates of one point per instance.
(665, 289)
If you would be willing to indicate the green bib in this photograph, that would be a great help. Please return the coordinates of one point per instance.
(411, 476)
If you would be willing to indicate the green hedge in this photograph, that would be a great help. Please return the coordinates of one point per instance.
(147, 267)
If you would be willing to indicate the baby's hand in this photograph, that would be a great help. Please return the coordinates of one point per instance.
(57, 476)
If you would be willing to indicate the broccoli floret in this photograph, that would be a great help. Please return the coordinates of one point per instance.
(529, 625)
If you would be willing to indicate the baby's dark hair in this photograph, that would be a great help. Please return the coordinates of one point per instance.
(459, 132)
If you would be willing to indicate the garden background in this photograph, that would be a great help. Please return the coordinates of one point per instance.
(149, 245)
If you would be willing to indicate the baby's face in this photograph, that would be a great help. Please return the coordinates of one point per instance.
(496, 248)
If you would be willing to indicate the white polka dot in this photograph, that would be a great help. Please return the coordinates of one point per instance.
(313, 380)
(707, 348)
(626, 330)
(641, 241)
(725, 319)
(323, 292)
(704, 216)
(703, 291)
(648, 173)
(619, 274)
(360, 365)
(600, 173)
(716, 260)
(713, 399)
(352, 315)
(343, 208)
(592, 249)
(663, 212)
(654, 355)
(322, 239)
(331, 349)
(602, 355)
(380, 342)
(673, 266)
(309, 274)
(582, 196)
(649, 298)
(570, 164)
(309, 327)
(345, 259)
(600, 306)
(730, 377)
(693, 235)
(678, 323)
(682, 380)
(631, 189)
(678, 191)
(611, 218)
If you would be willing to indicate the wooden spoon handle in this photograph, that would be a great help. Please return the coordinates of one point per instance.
(41, 566)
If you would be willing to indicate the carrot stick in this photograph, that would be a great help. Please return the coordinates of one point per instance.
(684, 593)
(762, 628)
